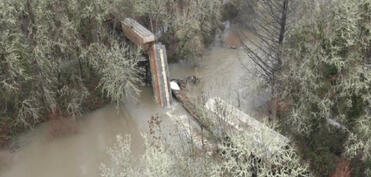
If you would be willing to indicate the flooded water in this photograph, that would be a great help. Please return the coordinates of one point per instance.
(221, 74)
(80, 154)
(42, 154)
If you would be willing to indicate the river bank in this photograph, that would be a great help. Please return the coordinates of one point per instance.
(80, 152)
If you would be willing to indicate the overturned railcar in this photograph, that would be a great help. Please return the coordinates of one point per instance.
(160, 75)
(137, 33)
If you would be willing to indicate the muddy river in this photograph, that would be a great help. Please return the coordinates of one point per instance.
(79, 154)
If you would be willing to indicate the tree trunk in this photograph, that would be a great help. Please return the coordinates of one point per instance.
(282, 31)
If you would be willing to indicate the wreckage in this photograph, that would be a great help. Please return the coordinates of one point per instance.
(228, 114)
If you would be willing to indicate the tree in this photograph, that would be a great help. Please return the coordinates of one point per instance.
(325, 78)
(44, 58)
(53, 53)
(172, 157)
(269, 28)
(243, 153)
(118, 68)
(165, 155)
(181, 25)
(246, 155)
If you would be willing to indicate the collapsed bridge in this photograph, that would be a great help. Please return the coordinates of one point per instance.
(163, 91)
(145, 40)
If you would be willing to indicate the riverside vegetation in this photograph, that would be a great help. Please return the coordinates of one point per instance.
(62, 57)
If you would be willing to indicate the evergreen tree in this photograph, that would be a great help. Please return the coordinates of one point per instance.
(326, 80)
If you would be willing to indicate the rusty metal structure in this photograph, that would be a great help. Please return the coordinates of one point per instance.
(137, 33)
(145, 39)
(163, 90)
(160, 72)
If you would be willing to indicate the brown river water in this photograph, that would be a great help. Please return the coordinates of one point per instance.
(80, 154)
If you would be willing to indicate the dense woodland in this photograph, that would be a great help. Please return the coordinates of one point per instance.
(65, 58)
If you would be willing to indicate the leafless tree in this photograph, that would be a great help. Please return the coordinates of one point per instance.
(263, 41)
(269, 27)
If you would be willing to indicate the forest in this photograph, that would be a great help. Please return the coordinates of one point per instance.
(61, 60)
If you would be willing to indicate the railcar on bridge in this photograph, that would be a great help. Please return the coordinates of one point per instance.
(158, 64)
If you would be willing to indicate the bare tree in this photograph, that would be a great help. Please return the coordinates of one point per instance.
(271, 22)
(265, 37)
